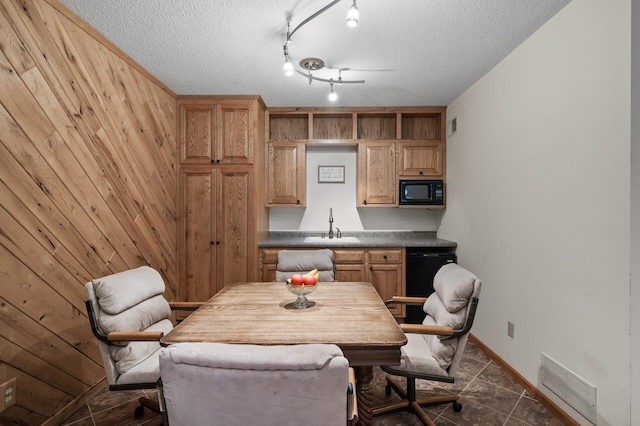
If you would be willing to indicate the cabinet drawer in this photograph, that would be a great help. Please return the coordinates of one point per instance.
(348, 256)
(385, 256)
(269, 255)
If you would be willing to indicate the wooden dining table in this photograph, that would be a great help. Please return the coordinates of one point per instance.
(348, 314)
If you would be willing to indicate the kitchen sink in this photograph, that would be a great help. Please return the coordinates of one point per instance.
(331, 240)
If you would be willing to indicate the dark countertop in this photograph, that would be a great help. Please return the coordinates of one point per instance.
(421, 239)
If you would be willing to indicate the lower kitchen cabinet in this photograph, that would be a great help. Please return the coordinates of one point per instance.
(384, 268)
(350, 264)
(350, 273)
(268, 261)
(215, 233)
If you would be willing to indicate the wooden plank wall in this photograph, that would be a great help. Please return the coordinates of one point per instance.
(87, 188)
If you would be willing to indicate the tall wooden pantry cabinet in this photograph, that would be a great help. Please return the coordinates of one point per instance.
(221, 192)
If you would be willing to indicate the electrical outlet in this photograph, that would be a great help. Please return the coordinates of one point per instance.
(8, 394)
(510, 329)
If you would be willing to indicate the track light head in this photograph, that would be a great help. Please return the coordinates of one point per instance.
(353, 16)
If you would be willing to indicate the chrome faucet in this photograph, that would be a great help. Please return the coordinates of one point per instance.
(330, 222)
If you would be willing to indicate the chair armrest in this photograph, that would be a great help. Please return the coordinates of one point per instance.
(438, 330)
(405, 300)
(185, 306)
(352, 404)
(128, 336)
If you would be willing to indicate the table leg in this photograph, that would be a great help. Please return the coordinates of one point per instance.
(364, 392)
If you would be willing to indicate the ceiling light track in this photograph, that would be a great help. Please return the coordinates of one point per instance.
(314, 64)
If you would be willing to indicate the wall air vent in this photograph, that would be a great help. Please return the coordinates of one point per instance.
(452, 126)
(570, 388)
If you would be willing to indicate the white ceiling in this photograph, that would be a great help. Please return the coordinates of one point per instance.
(409, 52)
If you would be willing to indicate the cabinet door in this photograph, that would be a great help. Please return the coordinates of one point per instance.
(197, 130)
(234, 142)
(350, 264)
(268, 261)
(234, 189)
(286, 174)
(377, 174)
(418, 159)
(387, 279)
(197, 234)
(350, 273)
(268, 272)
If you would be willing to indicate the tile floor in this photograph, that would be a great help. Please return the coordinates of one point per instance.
(488, 396)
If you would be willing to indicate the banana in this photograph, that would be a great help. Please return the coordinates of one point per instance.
(317, 276)
(311, 272)
(288, 280)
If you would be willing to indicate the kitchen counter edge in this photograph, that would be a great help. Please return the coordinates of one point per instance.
(281, 239)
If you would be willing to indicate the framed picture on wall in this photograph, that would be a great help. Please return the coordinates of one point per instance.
(330, 174)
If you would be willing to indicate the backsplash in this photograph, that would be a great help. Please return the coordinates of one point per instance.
(341, 197)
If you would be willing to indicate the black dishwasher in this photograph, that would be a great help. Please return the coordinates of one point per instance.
(422, 265)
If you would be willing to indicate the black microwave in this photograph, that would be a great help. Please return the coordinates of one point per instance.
(421, 192)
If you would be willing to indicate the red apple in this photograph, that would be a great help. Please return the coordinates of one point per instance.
(309, 280)
(297, 279)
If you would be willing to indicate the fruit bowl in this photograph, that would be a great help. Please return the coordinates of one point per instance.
(301, 291)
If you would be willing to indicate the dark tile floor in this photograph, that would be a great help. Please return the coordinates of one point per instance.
(488, 395)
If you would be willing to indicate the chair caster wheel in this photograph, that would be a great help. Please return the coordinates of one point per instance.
(138, 412)
(457, 407)
(387, 390)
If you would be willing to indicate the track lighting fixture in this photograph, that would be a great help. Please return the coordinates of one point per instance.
(308, 65)
(288, 66)
(353, 16)
(333, 96)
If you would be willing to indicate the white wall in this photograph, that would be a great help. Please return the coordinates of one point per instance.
(342, 198)
(538, 186)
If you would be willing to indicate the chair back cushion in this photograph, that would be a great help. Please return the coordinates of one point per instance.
(129, 301)
(454, 286)
(249, 384)
(449, 306)
(300, 261)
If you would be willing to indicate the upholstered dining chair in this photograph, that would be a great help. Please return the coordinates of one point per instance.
(128, 315)
(434, 348)
(300, 261)
(209, 383)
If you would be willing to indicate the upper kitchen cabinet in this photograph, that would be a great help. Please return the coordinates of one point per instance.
(421, 151)
(418, 159)
(376, 177)
(350, 125)
(286, 172)
(197, 127)
(217, 130)
(393, 143)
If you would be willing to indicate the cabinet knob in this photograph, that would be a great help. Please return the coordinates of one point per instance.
(371, 268)
(217, 242)
(218, 160)
(213, 161)
(364, 202)
(384, 257)
(420, 171)
(297, 201)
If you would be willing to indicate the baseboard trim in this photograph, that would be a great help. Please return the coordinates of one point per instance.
(74, 405)
(529, 387)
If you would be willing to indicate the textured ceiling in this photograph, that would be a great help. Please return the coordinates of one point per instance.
(409, 52)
